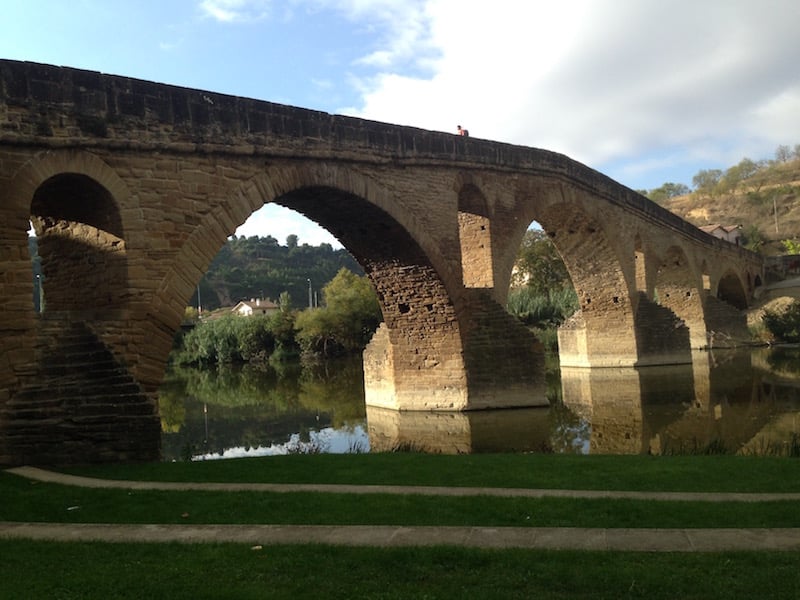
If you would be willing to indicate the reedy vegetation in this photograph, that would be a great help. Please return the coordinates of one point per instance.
(344, 324)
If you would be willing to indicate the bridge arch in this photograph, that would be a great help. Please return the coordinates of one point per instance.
(475, 237)
(641, 268)
(724, 304)
(731, 289)
(280, 182)
(75, 203)
(679, 289)
(421, 342)
(81, 243)
(422, 333)
(599, 332)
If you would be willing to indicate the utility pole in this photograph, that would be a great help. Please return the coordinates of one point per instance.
(775, 211)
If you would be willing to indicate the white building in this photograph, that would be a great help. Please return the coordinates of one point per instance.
(729, 233)
(256, 306)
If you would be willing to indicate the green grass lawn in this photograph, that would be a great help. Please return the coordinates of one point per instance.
(652, 473)
(101, 570)
(88, 571)
(23, 500)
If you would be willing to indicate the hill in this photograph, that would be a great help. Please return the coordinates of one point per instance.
(259, 267)
(765, 203)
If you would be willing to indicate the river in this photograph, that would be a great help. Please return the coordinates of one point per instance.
(744, 401)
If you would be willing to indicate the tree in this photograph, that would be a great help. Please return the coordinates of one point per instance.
(791, 246)
(783, 153)
(282, 326)
(213, 342)
(753, 239)
(784, 325)
(761, 175)
(738, 173)
(346, 322)
(706, 180)
(667, 191)
(256, 339)
(285, 302)
(538, 265)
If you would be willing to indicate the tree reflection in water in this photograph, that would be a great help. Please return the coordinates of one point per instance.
(257, 407)
(726, 401)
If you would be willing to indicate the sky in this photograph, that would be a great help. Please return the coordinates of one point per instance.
(644, 91)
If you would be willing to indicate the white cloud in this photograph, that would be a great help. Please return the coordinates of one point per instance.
(234, 11)
(602, 81)
(779, 116)
(280, 222)
(400, 30)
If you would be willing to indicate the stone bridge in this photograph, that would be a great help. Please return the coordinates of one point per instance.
(133, 187)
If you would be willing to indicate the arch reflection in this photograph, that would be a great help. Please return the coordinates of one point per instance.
(721, 403)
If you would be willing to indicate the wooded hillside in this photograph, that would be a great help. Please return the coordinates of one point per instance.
(762, 197)
(259, 267)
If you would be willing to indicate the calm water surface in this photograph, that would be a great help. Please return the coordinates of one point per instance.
(745, 402)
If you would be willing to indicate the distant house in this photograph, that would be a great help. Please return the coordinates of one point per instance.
(729, 233)
(256, 306)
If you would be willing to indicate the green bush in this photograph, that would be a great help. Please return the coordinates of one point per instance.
(213, 342)
(542, 310)
(344, 325)
(784, 325)
(347, 321)
(235, 339)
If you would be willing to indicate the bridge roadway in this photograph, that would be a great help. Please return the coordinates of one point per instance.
(133, 187)
(552, 538)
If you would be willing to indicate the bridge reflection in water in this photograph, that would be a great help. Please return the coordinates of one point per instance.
(725, 402)
(508, 430)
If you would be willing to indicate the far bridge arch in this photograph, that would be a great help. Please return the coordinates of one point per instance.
(599, 332)
(475, 236)
(679, 289)
(725, 306)
(731, 289)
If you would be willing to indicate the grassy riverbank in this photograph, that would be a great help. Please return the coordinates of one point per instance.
(125, 570)
(717, 473)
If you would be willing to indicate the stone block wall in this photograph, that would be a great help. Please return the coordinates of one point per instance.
(79, 406)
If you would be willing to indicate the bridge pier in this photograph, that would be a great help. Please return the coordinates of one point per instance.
(76, 403)
(654, 335)
(495, 362)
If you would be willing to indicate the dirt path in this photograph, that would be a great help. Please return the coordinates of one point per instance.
(555, 538)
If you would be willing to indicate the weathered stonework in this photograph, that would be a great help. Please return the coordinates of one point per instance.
(629, 414)
(133, 187)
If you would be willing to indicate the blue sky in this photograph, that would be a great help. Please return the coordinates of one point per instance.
(645, 91)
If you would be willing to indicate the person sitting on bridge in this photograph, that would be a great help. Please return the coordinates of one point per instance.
(463, 132)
